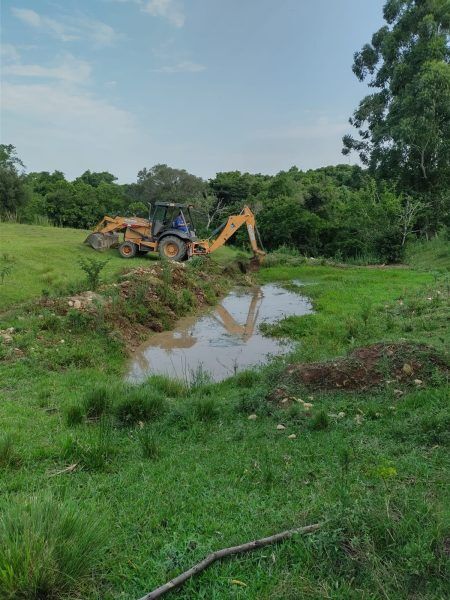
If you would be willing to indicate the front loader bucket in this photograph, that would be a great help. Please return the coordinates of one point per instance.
(256, 261)
(102, 241)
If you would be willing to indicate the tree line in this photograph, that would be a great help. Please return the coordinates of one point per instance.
(403, 142)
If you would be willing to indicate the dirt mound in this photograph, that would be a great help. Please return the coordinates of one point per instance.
(369, 367)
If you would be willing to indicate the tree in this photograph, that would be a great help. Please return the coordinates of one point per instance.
(404, 125)
(96, 178)
(13, 192)
(165, 184)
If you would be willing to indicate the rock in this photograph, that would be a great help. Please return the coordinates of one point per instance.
(292, 436)
(407, 369)
(307, 405)
(398, 392)
(280, 427)
(7, 338)
(77, 304)
(341, 415)
(10, 330)
(418, 381)
(70, 303)
(252, 417)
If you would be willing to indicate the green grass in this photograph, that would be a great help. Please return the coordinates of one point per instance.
(46, 259)
(172, 474)
(430, 255)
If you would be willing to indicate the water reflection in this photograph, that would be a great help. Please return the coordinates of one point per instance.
(222, 341)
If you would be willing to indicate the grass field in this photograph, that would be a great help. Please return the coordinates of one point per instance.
(46, 258)
(164, 474)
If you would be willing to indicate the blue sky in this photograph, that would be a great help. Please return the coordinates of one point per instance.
(205, 85)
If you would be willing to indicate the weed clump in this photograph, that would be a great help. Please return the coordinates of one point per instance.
(74, 415)
(247, 378)
(320, 421)
(48, 549)
(93, 451)
(139, 405)
(204, 409)
(97, 402)
(149, 446)
(8, 455)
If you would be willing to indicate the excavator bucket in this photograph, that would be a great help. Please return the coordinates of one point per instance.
(256, 262)
(102, 241)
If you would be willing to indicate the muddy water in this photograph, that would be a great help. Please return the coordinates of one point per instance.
(224, 340)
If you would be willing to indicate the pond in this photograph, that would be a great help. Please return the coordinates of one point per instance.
(222, 341)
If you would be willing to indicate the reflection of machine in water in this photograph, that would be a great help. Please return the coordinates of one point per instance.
(245, 332)
(183, 338)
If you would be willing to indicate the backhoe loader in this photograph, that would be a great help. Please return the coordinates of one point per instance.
(169, 231)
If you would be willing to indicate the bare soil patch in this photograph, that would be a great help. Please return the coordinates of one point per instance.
(371, 366)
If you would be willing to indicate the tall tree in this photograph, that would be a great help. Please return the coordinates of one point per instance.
(13, 192)
(165, 184)
(404, 125)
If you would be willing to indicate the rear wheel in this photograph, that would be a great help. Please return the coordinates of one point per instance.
(172, 248)
(128, 249)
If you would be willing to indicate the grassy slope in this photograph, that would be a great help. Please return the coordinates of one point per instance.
(433, 255)
(220, 479)
(46, 258)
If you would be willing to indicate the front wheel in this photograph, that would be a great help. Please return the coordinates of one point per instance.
(128, 249)
(172, 248)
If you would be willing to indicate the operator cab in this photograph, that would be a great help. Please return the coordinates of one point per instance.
(172, 218)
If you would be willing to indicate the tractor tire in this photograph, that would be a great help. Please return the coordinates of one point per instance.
(128, 249)
(172, 248)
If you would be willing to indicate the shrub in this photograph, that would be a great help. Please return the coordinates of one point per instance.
(48, 549)
(92, 267)
(74, 415)
(139, 404)
(97, 402)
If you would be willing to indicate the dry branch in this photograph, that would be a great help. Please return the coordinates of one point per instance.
(219, 554)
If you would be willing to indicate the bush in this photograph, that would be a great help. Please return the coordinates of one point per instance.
(139, 404)
(92, 267)
(97, 402)
(48, 549)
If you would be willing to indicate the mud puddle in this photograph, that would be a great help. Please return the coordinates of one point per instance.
(221, 342)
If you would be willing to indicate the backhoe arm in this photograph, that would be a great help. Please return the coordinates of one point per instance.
(233, 223)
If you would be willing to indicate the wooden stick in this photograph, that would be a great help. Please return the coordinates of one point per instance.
(219, 554)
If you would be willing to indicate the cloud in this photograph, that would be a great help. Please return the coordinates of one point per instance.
(70, 70)
(56, 126)
(171, 10)
(181, 67)
(68, 30)
(9, 53)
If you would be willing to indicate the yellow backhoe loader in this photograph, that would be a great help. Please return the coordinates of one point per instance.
(169, 231)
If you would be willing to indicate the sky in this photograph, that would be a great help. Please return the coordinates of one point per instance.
(203, 85)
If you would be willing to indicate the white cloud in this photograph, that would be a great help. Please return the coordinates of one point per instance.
(9, 53)
(171, 10)
(55, 126)
(181, 67)
(68, 30)
(70, 70)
